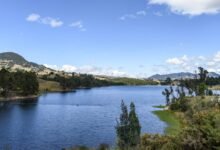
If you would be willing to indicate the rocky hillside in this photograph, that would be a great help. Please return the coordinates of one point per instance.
(15, 62)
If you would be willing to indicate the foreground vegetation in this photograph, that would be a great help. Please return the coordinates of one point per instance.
(199, 129)
(199, 114)
(174, 125)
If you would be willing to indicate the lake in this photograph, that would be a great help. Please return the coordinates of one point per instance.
(84, 117)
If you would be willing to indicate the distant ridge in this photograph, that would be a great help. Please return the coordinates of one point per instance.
(15, 62)
(181, 75)
(17, 59)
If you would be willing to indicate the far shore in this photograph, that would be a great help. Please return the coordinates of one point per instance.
(41, 92)
(15, 98)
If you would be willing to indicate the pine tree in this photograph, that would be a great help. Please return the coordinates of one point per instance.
(135, 128)
(122, 128)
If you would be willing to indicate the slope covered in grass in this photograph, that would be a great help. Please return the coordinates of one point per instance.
(174, 125)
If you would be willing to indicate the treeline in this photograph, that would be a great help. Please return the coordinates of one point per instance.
(188, 87)
(133, 81)
(78, 80)
(211, 81)
(18, 83)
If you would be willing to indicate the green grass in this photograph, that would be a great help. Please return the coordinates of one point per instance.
(133, 81)
(50, 86)
(160, 106)
(174, 125)
(215, 87)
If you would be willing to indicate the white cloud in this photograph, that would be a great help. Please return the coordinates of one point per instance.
(53, 22)
(201, 58)
(210, 63)
(190, 64)
(90, 70)
(174, 61)
(190, 7)
(159, 14)
(79, 25)
(133, 16)
(33, 17)
(177, 61)
(69, 68)
(55, 67)
(128, 16)
(141, 13)
(217, 57)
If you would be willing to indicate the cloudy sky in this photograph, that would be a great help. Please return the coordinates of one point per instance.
(135, 38)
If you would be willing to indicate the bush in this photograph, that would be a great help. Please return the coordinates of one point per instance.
(209, 92)
(180, 105)
(159, 142)
(203, 131)
(174, 106)
(103, 147)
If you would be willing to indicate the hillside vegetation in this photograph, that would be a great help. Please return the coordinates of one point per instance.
(133, 81)
(173, 122)
(49, 86)
(18, 83)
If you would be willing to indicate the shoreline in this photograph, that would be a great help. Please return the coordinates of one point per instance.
(17, 98)
(170, 118)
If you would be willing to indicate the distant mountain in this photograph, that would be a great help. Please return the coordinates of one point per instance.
(173, 76)
(15, 61)
(213, 74)
(181, 75)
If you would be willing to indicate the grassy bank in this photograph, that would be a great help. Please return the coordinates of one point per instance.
(174, 125)
(132, 81)
(160, 106)
(49, 86)
(215, 87)
(15, 98)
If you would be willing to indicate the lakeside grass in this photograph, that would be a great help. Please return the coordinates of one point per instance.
(160, 106)
(215, 87)
(174, 125)
(49, 86)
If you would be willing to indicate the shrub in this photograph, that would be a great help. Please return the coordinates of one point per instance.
(103, 147)
(160, 142)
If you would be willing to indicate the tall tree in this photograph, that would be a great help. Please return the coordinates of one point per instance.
(122, 128)
(134, 125)
(167, 94)
(168, 81)
(202, 74)
(5, 82)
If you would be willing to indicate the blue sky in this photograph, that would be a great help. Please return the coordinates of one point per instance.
(117, 37)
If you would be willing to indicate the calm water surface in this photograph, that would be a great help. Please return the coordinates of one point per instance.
(85, 117)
